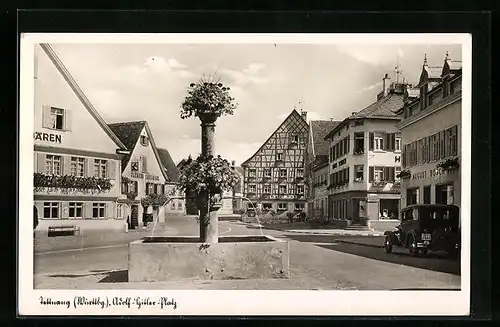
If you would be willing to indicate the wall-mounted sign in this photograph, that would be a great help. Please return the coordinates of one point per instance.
(397, 159)
(342, 162)
(151, 177)
(420, 175)
(39, 136)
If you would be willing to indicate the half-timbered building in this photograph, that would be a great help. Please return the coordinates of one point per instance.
(274, 177)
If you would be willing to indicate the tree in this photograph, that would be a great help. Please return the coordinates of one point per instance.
(208, 175)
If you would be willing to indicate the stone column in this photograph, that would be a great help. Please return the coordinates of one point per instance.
(209, 221)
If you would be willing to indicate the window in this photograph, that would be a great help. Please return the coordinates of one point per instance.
(358, 173)
(300, 172)
(77, 166)
(379, 142)
(427, 194)
(267, 206)
(100, 168)
(267, 189)
(300, 189)
(397, 170)
(299, 206)
(281, 206)
(76, 210)
(359, 143)
(51, 210)
(179, 205)
(397, 144)
(135, 166)
(412, 196)
(444, 194)
(295, 138)
(291, 173)
(379, 174)
(252, 188)
(98, 210)
(57, 118)
(279, 156)
(282, 189)
(283, 172)
(53, 165)
(172, 205)
(267, 172)
(144, 140)
(252, 172)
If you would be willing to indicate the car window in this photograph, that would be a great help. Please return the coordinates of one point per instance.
(415, 214)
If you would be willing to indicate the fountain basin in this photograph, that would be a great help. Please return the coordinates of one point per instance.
(160, 258)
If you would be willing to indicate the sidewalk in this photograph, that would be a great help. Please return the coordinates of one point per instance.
(323, 230)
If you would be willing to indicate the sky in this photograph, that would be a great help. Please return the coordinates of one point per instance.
(129, 82)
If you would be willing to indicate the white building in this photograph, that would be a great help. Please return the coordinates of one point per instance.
(76, 156)
(364, 159)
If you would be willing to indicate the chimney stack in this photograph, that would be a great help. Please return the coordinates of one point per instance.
(384, 85)
(233, 163)
(304, 115)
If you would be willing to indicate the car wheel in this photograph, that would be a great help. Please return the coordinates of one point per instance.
(388, 244)
(412, 246)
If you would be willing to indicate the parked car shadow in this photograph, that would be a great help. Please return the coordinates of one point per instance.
(119, 276)
(435, 261)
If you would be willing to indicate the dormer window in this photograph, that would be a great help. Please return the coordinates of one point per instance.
(144, 140)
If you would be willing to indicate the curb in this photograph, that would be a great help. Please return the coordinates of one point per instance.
(359, 243)
(372, 234)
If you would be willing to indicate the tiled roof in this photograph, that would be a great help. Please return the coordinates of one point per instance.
(433, 72)
(128, 133)
(169, 164)
(385, 108)
(319, 129)
(239, 170)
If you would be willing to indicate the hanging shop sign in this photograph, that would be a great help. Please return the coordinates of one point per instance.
(47, 137)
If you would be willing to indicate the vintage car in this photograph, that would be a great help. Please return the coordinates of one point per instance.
(426, 227)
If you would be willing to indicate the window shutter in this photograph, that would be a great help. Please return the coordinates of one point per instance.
(87, 210)
(89, 167)
(371, 141)
(454, 145)
(386, 174)
(40, 163)
(441, 144)
(65, 165)
(46, 119)
(392, 172)
(144, 164)
(111, 169)
(348, 144)
(147, 188)
(403, 155)
(110, 210)
(372, 173)
(67, 119)
(348, 174)
(393, 142)
(163, 189)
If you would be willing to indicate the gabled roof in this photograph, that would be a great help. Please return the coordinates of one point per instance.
(385, 108)
(319, 129)
(79, 93)
(129, 133)
(168, 163)
(239, 170)
(294, 112)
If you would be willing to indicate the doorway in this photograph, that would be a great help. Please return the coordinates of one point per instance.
(134, 217)
(355, 211)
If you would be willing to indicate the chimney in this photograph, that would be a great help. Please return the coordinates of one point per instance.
(353, 113)
(384, 85)
(233, 163)
(304, 115)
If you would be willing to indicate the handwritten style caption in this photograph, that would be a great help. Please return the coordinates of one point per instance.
(106, 302)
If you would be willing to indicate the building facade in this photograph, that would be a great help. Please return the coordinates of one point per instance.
(317, 171)
(364, 159)
(238, 189)
(431, 134)
(77, 161)
(146, 174)
(274, 177)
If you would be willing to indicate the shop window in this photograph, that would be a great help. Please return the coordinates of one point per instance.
(427, 194)
(389, 208)
(51, 210)
(267, 206)
(99, 210)
(444, 194)
(412, 196)
(75, 210)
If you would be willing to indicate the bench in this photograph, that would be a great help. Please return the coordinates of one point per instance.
(63, 230)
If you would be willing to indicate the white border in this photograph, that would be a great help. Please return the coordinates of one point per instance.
(345, 303)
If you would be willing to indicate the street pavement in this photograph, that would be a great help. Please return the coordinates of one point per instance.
(316, 262)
